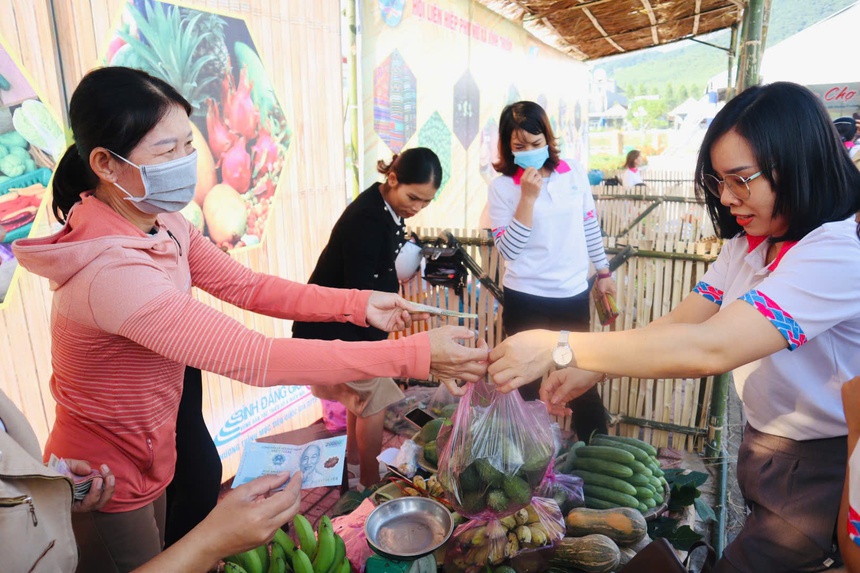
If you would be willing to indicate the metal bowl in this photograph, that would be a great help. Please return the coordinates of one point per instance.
(408, 528)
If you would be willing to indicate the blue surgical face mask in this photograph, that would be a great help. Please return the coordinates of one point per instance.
(168, 187)
(532, 158)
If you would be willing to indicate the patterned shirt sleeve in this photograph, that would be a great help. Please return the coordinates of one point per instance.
(814, 287)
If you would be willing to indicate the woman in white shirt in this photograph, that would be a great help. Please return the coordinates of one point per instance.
(779, 308)
(632, 176)
(545, 226)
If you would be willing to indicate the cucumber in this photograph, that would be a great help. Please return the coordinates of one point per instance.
(594, 503)
(638, 453)
(658, 497)
(654, 466)
(642, 508)
(602, 480)
(607, 494)
(638, 480)
(650, 503)
(656, 483)
(639, 468)
(644, 493)
(609, 454)
(648, 448)
(602, 467)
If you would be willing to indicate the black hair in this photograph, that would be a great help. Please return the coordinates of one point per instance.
(632, 156)
(114, 108)
(523, 116)
(798, 151)
(417, 165)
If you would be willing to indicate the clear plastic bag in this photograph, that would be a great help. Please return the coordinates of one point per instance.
(565, 489)
(443, 404)
(495, 453)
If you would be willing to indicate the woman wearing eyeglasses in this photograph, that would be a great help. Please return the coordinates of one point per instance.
(778, 308)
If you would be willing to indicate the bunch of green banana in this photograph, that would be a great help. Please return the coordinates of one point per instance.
(430, 485)
(323, 551)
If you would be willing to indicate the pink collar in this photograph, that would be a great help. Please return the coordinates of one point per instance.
(753, 242)
(634, 169)
(562, 167)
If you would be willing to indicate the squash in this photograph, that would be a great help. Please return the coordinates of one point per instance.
(592, 554)
(622, 525)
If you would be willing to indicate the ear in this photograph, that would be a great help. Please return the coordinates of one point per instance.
(392, 180)
(104, 164)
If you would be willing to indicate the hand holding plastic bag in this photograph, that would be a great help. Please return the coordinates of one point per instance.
(497, 452)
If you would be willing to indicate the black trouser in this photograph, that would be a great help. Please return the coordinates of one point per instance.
(525, 312)
(194, 490)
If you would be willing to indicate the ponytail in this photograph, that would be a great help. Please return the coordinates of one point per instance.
(417, 165)
(72, 177)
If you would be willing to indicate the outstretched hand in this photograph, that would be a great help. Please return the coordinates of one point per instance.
(562, 386)
(521, 358)
(390, 312)
(451, 361)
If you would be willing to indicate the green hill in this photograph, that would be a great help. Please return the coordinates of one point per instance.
(691, 64)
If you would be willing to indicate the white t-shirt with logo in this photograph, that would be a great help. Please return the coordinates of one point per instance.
(811, 293)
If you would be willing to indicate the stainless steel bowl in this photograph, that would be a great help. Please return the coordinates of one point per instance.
(408, 528)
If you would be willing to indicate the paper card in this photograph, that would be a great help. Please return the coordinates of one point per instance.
(321, 461)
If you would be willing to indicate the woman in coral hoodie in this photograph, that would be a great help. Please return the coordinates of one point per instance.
(124, 323)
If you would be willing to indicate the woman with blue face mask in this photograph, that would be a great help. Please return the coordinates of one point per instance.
(124, 323)
(545, 226)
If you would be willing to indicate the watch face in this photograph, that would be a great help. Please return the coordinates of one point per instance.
(562, 355)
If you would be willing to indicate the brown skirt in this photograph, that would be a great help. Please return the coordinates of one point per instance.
(792, 490)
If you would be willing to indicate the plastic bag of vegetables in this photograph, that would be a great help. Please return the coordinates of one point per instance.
(493, 458)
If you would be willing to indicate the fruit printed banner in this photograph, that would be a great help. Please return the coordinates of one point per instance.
(31, 142)
(241, 131)
(437, 73)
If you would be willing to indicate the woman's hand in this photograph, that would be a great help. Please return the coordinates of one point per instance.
(531, 183)
(246, 518)
(521, 358)
(606, 285)
(562, 386)
(389, 312)
(249, 515)
(101, 490)
(450, 361)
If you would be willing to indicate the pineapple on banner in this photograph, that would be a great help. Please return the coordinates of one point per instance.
(493, 459)
(241, 131)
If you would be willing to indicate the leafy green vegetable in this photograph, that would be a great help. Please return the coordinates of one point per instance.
(34, 122)
(12, 165)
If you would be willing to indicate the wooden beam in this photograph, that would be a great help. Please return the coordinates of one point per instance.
(568, 6)
(653, 19)
(698, 10)
(603, 32)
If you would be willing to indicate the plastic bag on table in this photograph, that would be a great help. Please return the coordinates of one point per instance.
(478, 543)
(496, 452)
(351, 528)
(443, 404)
(565, 489)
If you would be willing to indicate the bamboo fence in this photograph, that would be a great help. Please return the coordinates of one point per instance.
(670, 254)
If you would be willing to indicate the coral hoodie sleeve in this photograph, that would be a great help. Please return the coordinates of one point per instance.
(217, 273)
(161, 319)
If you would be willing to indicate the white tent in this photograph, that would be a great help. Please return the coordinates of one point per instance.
(824, 53)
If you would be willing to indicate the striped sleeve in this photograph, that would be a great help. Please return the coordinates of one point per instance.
(594, 242)
(172, 324)
(511, 240)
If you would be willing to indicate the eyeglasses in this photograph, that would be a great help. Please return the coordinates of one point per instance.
(738, 186)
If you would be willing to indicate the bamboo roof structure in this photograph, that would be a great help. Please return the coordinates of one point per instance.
(591, 29)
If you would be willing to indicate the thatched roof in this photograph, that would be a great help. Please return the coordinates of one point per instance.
(590, 29)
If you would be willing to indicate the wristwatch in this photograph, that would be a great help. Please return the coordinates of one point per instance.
(562, 355)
